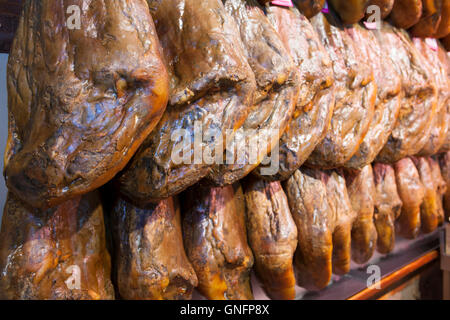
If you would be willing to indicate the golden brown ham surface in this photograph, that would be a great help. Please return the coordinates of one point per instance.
(443, 28)
(278, 86)
(430, 19)
(437, 66)
(418, 106)
(389, 95)
(308, 201)
(150, 261)
(212, 89)
(429, 214)
(57, 254)
(309, 8)
(355, 95)
(406, 13)
(350, 11)
(315, 103)
(412, 193)
(384, 5)
(361, 191)
(440, 186)
(215, 239)
(444, 162)
(387, 206)
(81, 100)
(272, 235)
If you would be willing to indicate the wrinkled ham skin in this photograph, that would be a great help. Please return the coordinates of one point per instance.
(80, 102)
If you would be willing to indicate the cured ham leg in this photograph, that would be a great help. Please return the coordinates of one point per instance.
(406, 13)
(315, 103)
(350, 11)
(150, 260)
(362, 192)
(57, 254)
(278, 86)
(81, 100)
(309, 8)
(412, 193)
(429, 215)
(444, 162)
(387, 206)
(215, 239)
(308, 201)
(272, 236)
(355, 95)
(440, 187)
(212, 91)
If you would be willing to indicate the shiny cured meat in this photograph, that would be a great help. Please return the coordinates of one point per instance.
(444, 162)
(430, 19)
(412, 193)
(212, 90)
(215, 239)
(437, 64)
(309, 8)
(150, 260)
(419, 102)
(57, 254)
(317, 94)
(350, 11)
(81, 100)
(389, 94)
(361, 191)
(272, 236)
(355, 95)
(406, 13)
(278, 86)
(387, 206)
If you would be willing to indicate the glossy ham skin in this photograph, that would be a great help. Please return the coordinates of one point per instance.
(215, 239)
(444, 58)
(389, 94)
(44, 253)
(412, 193)
(361, 191)
(308, 201)
(443, 28)
(315, 103)
(150, 260)
(430, 19)
(429, 214)
(355, 95)
(211, 85)
(419, 102)
(350, 11)
(309, 8)
(406, 13)
(387, 206)
(272, 235)
(384, 5)
(345, 217)
(440, 186)
(278, 86)
(444, 162)
(437, 66)
(81, 101)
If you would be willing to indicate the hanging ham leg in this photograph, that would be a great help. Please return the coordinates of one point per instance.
(440, 187)
(429, 215)
(212, 91)
(387, 206)
(444, 162)
(309, 8)
(362, 192)
(272, 236)
(430, 19)
(278, 86)
(81, 100)
(150, 261)
(406, 13)
(315, 103)
(411, 191)
(57, 254)
(308, 201)
(215, 239)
